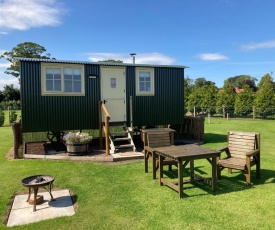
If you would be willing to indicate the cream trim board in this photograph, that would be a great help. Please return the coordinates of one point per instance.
(152, 82)
(61, 67)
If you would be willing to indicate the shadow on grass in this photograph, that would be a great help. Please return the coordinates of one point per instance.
(173, 174)
(238, 183)
(229, 182)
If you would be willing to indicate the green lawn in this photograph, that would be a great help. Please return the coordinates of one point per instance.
(112, 196)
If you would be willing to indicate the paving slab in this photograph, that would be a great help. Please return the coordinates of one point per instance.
(22, 212)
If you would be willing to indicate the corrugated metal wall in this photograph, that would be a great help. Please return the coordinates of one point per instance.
(52, 113)
(166, 106)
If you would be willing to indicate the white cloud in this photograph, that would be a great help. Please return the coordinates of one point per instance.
(142, 58)
(8, 81)
(26, 14)
(212, 57)
(5, 64)
(259, 45)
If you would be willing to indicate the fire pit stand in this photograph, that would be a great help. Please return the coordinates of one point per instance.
(35, 182)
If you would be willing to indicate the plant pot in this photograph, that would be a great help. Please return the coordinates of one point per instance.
(77, 149)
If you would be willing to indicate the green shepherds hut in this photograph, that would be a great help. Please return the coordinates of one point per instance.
(65, 95)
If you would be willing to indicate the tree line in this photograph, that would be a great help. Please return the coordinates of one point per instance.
(239, 93)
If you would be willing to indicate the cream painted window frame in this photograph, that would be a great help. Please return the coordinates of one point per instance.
(152, 81)
(61, 66)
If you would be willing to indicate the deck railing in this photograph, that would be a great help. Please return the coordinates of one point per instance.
(104, 126)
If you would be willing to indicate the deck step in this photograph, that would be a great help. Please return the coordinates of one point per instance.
(124, 146)
(118, 133)
(121, 139)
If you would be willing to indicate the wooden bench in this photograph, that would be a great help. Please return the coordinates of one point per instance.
(243, 152)
(156, 140)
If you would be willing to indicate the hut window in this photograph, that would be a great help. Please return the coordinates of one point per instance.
(62, 80)
(145, 81)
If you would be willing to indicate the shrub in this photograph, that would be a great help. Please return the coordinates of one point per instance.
(2, 118)
(13, 116)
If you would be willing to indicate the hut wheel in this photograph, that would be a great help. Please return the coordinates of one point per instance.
(55, 136)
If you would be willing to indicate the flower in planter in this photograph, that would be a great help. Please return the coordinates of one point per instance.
(73, 138)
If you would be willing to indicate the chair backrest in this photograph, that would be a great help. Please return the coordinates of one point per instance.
(158, 139)
(240, 143)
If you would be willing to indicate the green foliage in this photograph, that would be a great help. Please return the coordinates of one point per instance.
(203, 98)
(201, 94)
(244, 101)
(2, 118)
(13, 105)
(265, 96)
(10, 93)
(188, 84)
(13, 116)
(26, 50)
(226, 97)
(243, 80)
(112, 60)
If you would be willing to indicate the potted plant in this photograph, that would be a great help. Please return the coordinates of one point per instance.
(77, 143)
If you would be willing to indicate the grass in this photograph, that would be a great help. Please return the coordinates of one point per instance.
(112, 196)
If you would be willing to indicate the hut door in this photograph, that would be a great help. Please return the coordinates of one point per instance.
(113, 92)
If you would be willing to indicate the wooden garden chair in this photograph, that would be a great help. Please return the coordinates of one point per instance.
(156, 140)
(243, 152)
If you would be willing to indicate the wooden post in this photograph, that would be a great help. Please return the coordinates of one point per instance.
(223, 111)
(209, 118)
(194, 111)
(227, 116)
(107, 141)
(100, 125)
(131, 111)
(17, 138)
(254, 112)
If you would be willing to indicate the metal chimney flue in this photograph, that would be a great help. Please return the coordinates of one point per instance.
(133, 55)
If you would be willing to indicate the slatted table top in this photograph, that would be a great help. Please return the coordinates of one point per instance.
(186, 152)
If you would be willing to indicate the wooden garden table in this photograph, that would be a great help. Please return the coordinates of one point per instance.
(185, 154)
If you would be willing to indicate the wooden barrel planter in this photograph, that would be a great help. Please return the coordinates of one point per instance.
(77, 149)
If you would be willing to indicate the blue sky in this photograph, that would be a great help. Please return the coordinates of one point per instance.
(217, 39)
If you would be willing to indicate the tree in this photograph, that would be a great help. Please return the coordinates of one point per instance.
(1, 96)
(10, 93)
(226, 97)
(203, 98)
(188, 85)
(112, 60)
(265, 96)
(244, 101)
(25, 50)
(242, 80)
(200, 82)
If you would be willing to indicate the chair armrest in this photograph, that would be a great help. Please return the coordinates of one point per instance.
(253, 153)
(222, 149)
(226, 150)
(149, 149)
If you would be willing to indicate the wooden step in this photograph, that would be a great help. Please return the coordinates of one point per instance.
(121, 139)
(118, 133)
(124, 146)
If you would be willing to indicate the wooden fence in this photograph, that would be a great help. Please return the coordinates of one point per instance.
(192, 129)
